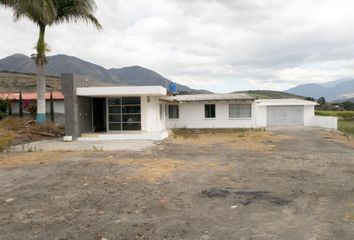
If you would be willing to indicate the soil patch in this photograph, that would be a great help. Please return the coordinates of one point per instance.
(339, 137)
(153, 170)
(30, 158)
(245, 197)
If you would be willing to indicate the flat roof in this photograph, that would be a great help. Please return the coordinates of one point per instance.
(212, 97)
(121, 91)
(285, 102)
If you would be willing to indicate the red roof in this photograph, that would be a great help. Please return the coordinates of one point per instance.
(30, 96)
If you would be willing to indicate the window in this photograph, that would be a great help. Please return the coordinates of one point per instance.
(240, 111)
(209, 110)
(124, 114)
(173, 111)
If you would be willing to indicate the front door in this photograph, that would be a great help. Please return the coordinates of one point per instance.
(99, 116)
(124, 114)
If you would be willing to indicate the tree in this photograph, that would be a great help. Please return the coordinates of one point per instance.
(46, 13)
(10, 108)
(322, 101)
(20, 105)
(51, 113)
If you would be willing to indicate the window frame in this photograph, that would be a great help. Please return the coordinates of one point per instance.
(168, 114)
(205, 111)
(241, 104)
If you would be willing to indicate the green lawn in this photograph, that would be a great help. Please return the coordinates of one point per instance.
(345, 119)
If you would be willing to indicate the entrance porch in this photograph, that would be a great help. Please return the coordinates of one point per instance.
(133, 135)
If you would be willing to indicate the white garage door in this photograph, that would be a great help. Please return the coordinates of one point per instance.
(285, 115)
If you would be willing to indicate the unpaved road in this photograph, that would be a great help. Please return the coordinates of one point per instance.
(295, 184)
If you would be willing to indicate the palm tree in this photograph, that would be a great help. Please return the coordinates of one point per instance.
(46, 13)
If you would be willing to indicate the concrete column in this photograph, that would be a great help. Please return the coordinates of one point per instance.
(78, 110)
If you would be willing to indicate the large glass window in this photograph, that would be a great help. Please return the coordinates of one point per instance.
(173, 111)
(240, 111)
(124, 114)
(209, 110)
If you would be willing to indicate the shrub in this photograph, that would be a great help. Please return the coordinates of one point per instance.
(5, 141)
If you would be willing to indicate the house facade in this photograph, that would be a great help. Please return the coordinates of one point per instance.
(29, 99)
(148, 112)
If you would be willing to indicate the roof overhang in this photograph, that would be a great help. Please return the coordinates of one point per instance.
(121, 91)
(284, 102)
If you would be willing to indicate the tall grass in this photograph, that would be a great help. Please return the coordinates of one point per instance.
(345, 122)
(340, 114)
(346, 126)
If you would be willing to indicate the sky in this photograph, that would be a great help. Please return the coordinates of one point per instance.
(219, 45)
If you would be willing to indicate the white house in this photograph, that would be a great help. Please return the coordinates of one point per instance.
(147, 112)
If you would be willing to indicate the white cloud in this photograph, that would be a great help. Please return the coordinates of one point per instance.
(220, 45)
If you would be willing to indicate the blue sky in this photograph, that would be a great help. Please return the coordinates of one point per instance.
(220, 45)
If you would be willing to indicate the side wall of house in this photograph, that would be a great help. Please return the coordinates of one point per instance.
(150, 114)
(192, 115)
(309, 114)
(261, 116)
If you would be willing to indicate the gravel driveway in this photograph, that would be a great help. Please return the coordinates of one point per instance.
(285, 184)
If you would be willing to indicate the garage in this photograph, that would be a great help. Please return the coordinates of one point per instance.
(285, 116)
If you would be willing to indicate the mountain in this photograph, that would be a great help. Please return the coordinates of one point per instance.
(268, 94)
(59, 64)
(339, 89)
(26, 82)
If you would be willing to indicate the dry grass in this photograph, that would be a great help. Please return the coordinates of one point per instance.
(340, 138)
(15, 130)
(29, 158)
(241, 139)
(153, 170)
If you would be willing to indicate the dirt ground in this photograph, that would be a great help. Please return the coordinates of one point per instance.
(294, 184)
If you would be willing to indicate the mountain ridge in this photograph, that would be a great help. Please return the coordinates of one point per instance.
(333, 90)
(61, 63)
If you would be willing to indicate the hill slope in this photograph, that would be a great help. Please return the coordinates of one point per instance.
(59, 64)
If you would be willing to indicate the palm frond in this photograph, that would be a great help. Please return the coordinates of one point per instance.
(7, 3)
(76, 10)
(38, 11)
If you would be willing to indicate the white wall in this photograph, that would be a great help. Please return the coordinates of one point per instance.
(191, 115)
(58, 106)
(261, 115)
(150, 114)
(309, 113)
(324, 122)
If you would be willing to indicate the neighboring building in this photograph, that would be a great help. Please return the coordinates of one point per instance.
(29, 99)
(146, 112)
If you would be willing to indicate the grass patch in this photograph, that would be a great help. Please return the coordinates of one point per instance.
(340, 114)
(15, 131)
(240, 139)
(346, 126)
